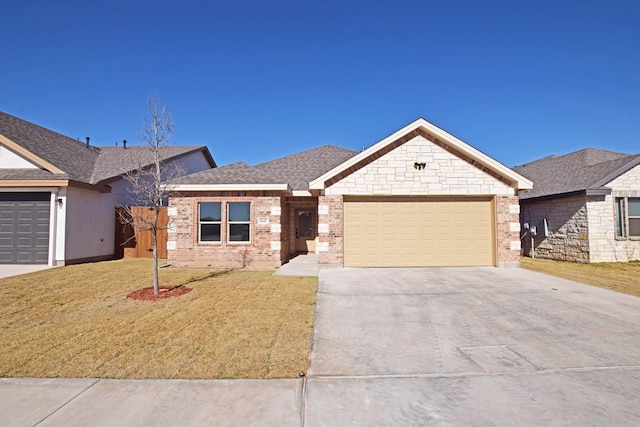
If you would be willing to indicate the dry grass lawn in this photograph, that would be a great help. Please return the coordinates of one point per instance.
(618, 276)
(76, 321)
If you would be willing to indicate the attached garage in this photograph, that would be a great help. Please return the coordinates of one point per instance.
(419, 231)
(24, 228)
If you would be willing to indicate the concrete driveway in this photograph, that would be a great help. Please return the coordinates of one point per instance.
(10, 270)
(477, 346)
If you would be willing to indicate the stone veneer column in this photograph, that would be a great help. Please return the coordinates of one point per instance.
(508, 231)
(330, 230)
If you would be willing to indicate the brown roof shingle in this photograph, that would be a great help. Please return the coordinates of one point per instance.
(578, 171)
(88, 164)
(296, 170)
(299, 169)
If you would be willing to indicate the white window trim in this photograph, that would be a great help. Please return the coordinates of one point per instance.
(229, 223)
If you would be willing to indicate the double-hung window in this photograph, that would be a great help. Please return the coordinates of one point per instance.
(239, 221)
(627, 217)
(210, 221)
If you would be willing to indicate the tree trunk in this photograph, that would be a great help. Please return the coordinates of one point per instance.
(154, 232)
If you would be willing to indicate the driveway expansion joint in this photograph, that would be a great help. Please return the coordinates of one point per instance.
(476, 374)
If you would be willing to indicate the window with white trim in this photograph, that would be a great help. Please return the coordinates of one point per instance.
(239, 222)
(627, 217)
(209, 221)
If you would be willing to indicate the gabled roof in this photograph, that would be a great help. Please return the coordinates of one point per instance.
(48, 149)
(587, 171)
(291, 173)
(62, 158)
(435, 134)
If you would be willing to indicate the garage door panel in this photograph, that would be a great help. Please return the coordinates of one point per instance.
(419, 233)
(24, 228)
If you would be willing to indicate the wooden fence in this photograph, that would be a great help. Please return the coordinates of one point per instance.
(132, 244)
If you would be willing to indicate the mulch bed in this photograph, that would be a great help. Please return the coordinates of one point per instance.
(146, 294)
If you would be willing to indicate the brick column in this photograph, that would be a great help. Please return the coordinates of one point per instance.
(508, 231)
(330, 230)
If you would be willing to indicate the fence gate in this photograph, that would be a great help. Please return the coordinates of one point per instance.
(132, 244)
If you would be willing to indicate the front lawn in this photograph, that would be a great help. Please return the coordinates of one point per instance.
(76, 321)
(618, 276)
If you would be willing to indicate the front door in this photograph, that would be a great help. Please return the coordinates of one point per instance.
(305, 230)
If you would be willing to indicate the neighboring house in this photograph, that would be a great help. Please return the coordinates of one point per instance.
(58, 195)
(585, 206)
(419, 197)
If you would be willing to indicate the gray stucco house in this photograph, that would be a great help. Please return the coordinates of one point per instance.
(58, 195)
(584, 206)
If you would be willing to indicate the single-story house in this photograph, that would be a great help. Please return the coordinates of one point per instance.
(584, 206)
(58, 195)
(419, 197)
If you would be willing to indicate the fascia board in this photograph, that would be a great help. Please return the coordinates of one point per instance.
(34, 183)
(229, 187)
(523, 183)
(597, 191)
(18, 149)
(301, 193)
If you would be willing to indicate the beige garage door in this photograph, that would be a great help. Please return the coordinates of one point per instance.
(408, 232)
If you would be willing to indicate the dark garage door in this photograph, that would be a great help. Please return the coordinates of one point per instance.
(24, 228)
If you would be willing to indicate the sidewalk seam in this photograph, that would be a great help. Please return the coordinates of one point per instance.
(68, 401)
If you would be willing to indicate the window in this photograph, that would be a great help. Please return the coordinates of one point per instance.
(634, 217)
(239, 221)
(627, 217)
(210, 220)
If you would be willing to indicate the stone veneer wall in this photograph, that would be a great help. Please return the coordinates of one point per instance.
(444, 174)
(568, 237)
(604, 245)
(264, 251)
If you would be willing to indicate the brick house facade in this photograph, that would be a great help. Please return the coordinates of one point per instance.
(422, 174)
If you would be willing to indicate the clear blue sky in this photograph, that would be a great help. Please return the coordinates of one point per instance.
(255, 80)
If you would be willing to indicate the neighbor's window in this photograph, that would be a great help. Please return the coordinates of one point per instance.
(634, 216)
(239, 221)
(619, 217)
(210, 220)
(627, 217)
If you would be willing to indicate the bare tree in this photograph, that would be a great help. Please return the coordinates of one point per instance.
(149, 176)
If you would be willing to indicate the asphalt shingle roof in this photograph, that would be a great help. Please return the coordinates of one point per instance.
(301, 168)
(577, 171)
(78, 162)
(114, 161)
(235, 173)
(297, 170)
(67, 154)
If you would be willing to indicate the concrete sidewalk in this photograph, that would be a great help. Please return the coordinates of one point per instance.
(91, 402)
